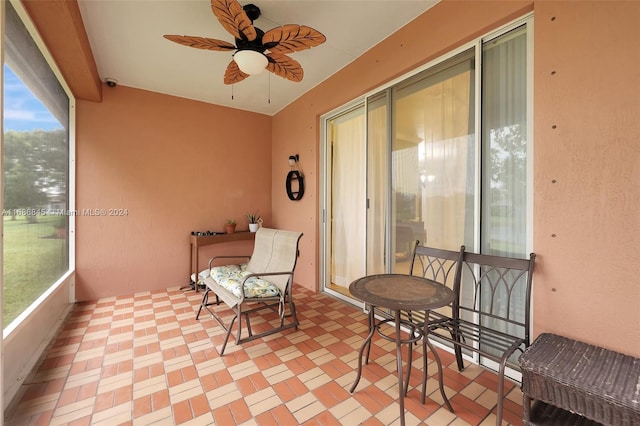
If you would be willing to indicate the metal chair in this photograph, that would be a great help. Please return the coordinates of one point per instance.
(491, 312)
(265, 282)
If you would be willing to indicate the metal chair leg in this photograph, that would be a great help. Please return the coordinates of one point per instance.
(239, 316)
(455, 334)
(500, 405)
(205, 299)
(226, 339)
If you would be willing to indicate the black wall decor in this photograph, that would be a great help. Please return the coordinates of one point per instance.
(295, 180)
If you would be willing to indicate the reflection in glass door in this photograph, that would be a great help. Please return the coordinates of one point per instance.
(433, 156)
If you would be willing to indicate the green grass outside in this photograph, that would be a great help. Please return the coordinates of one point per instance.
(33, 260)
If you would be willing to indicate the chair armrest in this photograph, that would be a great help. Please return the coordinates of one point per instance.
(226, 257)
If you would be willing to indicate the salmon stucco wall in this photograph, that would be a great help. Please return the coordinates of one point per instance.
(587, 171)
(161, 167)
(586, 225)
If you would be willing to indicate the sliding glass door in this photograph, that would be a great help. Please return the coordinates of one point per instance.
(433, 158)
(377, 183)
(442, 157)
(505, 144)
(402, 169)
(346, 207)
(506, 160)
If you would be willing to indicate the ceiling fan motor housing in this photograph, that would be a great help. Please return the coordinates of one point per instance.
(255, 44)
(252, 11)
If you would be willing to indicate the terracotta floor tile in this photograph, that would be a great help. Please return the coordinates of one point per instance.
(372, 422)
(182, 412)
(223, 416)
(284, 391)
(510, 416)
(199, 405)
(300, 364)
(336, 368)
(245, 386)
(160, 400)
(223, 378)
(327, 419)
(468, 410)
(41, 419)
(123, 394)
(151, 340)
(330, 394)
(266, 419)
(413, 404)
(87, 390)
(74, 323)
(240, 411)
(174, 378)
(339, 348)
(142, 406)
(85, 421)
(454, 380)
(189, 373)
(149, 331)
(68, 396)
(366, 398)
(308, 346)
(104, 401)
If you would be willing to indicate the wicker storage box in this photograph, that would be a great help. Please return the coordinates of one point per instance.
(594, 382)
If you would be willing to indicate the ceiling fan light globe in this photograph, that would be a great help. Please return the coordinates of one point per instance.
(250, 62)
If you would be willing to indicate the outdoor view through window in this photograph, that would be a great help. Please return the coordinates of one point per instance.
(36, 173)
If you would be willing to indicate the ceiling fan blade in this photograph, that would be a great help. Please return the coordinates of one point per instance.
(234, 19)
(200, 42)
(285, 67)
(233, 74)
(292, 38)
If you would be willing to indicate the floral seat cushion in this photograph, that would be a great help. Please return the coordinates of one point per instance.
(230, 278)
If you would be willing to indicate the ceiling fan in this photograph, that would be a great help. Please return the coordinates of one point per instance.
(255, 49)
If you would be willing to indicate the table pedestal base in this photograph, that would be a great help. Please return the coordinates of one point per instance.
(415, 334)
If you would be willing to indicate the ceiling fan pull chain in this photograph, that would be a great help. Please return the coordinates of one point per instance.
(232, 91)
(269, 89)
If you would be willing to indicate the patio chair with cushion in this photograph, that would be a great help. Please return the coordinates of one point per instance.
(264, 282)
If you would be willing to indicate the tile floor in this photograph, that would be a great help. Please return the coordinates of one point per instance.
(145, 359)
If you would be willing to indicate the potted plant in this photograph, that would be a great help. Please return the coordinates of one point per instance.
(231, 226)
(254, 221)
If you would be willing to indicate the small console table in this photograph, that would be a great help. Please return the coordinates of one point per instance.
(198, 241)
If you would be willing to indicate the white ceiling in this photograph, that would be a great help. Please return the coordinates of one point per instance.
(127, 43)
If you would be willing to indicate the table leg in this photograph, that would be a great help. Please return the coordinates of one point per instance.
(194, 265)
(365, 344)
(399, 359)
(372, 326)
(424, 360)
(409, 360)
(437, 358)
